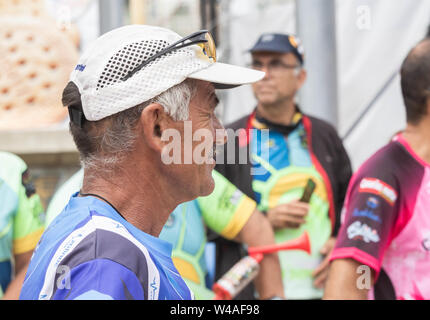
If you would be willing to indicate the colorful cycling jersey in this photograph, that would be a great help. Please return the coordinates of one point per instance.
(225, 211)
(90, 252)
(282, 165)
(21, 214)
(386, 222)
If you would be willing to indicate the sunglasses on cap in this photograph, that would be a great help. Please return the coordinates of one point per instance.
(201, 38)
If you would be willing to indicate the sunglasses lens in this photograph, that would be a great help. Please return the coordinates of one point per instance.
(211, 49)
(203, 39)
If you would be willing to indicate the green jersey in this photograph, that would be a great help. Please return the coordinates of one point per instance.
(21, 214)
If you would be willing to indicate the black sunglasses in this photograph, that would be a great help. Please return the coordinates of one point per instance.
(202, 38)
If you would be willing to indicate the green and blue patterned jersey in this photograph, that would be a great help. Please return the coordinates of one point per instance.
(281, 179)
(21, 214)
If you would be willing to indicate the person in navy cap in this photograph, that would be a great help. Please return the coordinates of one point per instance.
(303, 151)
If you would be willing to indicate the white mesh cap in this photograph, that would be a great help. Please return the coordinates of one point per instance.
(112, 56)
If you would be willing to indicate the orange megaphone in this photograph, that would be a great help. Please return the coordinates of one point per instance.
(300, 243)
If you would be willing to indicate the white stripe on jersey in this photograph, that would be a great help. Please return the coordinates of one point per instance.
(67, 246)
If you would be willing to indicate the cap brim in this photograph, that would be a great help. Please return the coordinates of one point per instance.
(226, 76)
(270, 49)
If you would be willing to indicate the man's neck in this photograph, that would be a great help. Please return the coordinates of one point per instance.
(282, 113)
(140, 201)
(418, 137)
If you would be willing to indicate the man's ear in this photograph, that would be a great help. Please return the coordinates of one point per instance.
(301, 78)
(154, 121)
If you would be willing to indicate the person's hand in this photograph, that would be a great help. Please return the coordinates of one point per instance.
(321, 272)
(288, 215)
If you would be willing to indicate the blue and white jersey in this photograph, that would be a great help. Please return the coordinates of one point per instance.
(90, 252)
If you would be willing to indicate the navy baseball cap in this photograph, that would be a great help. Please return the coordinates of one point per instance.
(278, 42)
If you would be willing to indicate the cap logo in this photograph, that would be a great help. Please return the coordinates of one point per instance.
(80, 67)
(267, 38)
(293, 41)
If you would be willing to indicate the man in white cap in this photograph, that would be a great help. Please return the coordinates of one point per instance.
(132, 88)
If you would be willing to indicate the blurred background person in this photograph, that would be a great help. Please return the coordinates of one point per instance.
(21, 223)
(386, 225)
(298, 148)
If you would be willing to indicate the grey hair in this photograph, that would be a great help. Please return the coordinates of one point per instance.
(176, 100)
(105, 143)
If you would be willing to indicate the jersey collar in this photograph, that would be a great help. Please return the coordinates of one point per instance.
(258, 122)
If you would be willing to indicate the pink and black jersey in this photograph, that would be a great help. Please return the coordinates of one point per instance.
(386, 222)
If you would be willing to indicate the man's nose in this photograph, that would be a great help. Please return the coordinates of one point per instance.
(266, 69)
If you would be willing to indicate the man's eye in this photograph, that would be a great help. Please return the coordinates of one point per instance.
(275, 64)
(256, 65)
